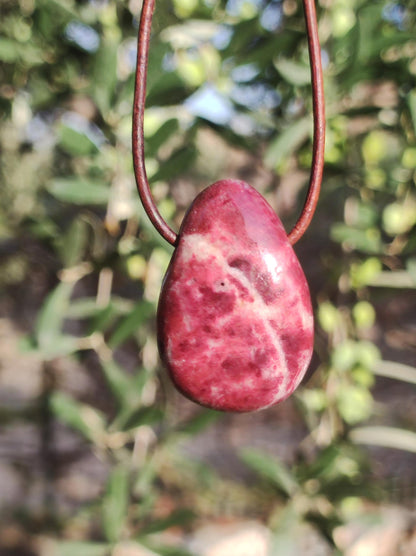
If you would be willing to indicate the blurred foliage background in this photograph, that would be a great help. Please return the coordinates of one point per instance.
(98, 454)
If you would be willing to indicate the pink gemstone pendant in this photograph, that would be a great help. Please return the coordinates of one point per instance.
(235, 323)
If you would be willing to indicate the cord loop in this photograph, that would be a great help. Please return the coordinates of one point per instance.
(318, 129)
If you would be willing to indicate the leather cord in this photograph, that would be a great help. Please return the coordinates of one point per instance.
(318, 130)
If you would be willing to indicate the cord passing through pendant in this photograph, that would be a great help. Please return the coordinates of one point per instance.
(235, 323)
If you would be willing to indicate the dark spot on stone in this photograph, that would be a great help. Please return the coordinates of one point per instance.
(183, 346)
(260, 280)
(242, 264)
(235, 367)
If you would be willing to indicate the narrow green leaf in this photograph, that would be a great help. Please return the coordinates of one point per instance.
(287, 142)
(166, 130)
(117, 379)
(143, 416)
(176, 518)
(179, 162)
(131, 323)
(271, 469)
(115, 504)
(325, 464)
(74, 243)
(143, 486)
(79, 191)
(44, 228)
(131, 413)
(74, 142)
(293, 72)
(48, 329)
(388, 437)
(393, 279)
(199, 422)
(166, 89)
(411, 101)
(82, 418)
(139, 380)
(396, 371)
(86, 307)
(62, 345)
(103, 318)
(368, 23)
(105, 74)
(83, 308)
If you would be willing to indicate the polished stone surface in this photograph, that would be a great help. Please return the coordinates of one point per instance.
(235, 324)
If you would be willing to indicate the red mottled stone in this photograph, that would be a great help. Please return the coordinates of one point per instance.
(235, 324)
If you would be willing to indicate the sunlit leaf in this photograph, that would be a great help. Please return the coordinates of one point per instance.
(395, 371)
(79, 191)
(393, 279)
(293, 72)
(74, 142)
(287, 142)
(163, 133)
(388, 437)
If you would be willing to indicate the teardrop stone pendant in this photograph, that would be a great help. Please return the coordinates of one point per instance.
(235, 324)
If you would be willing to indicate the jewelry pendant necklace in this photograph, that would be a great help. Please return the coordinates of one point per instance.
(235, 322)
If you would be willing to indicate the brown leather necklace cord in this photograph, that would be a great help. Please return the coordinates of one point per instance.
(318, 116)
(318, 100)
(138, 118)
